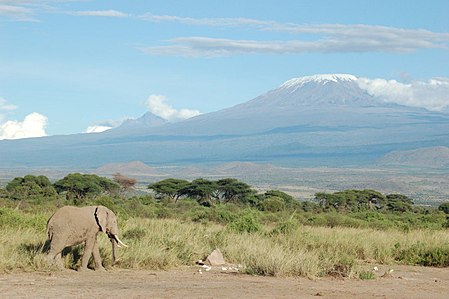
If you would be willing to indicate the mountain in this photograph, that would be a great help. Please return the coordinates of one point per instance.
(429, 157)
(148, 120)
(322, 120)
(133, 168)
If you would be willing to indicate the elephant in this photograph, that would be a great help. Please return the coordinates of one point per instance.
(71, 226)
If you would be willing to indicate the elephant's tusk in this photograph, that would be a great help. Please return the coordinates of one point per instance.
(119, 242)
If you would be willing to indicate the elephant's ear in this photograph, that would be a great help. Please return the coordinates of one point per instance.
(101, 217)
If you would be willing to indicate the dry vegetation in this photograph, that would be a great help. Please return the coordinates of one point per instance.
(285, 249)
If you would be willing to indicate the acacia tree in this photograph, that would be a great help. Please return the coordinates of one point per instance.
(30, 187)
(81, 186)
(200, 189)
(171, 188)
(233, 190)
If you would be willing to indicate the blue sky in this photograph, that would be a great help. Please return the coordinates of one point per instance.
(69, 65)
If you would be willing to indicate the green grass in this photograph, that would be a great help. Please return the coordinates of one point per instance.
(284, 248)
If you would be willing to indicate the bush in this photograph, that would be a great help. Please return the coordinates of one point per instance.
(247, 222)
(422, 254)
(16, 219)
(272, 204)
(284, 227)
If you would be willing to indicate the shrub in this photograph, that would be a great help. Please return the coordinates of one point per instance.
(284, 227)
(17, 219)
(247, 222)
(272, 204)
(422, 254)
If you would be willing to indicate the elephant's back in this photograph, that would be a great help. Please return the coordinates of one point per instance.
(68, 214)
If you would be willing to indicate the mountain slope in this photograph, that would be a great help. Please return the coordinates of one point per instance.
(429, 157)
(323, 120)
(314, 101)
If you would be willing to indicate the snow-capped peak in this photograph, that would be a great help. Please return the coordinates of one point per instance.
(323, 79)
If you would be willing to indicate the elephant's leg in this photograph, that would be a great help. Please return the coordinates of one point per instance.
(97, 257)
(54, 255)
(88, 248)
(59, 261)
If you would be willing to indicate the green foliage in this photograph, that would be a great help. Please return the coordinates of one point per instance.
(272, 204)
(17, 219)
(31, 187)
(169, 187)
(233, 190)
(200, 189)
(422, 254)
(80, 186)
(287, 199)
(204, 191)
(247, 222)
(444, 207)
(285, 227)
(363, 200)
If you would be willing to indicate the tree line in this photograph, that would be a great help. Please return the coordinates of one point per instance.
(77, 187)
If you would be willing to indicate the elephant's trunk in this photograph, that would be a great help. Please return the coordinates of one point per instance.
(115, 241)
(114, 251)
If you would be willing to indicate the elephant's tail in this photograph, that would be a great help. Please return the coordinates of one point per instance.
(49, 230)
(46, 246)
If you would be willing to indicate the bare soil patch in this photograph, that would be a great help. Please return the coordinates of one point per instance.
(404, 282)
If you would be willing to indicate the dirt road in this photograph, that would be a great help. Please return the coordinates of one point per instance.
(404, 282)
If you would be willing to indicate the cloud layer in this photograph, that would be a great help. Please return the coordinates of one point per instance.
(32, 126)
(432, 94)
(321, 38)
(5, 106)
(318, 38)
(157, 105)
(100, 13)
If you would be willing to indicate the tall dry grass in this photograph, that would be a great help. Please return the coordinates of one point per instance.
(299, 251)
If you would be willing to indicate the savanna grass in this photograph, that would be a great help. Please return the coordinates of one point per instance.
(285, 249)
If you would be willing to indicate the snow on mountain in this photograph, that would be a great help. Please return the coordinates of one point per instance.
(317, 90)
(323, 79)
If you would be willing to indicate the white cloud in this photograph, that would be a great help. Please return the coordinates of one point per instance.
(216, 22)
(158, 106)
(32, 126)
(337, 42)
(6, 107)
(323, 38)
(97, 129)
(17, 12)
(100, 13)
(105, 125)
(28, 10)
(432, 95)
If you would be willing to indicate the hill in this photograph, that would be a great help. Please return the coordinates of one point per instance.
(430, 157)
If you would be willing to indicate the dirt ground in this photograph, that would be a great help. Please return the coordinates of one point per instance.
(403, 282)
